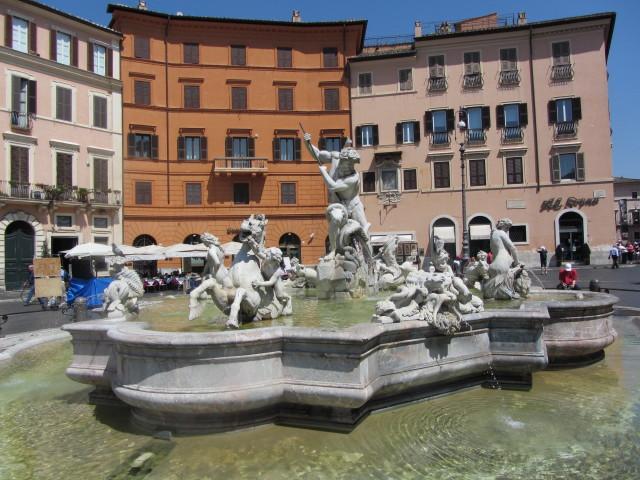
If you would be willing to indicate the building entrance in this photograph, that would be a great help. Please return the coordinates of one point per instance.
(479, 235)
(290, 245)
(19, 244)
(571, 229)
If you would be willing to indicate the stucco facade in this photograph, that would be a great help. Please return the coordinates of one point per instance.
(515, 168)
(61, 162)
(626, 208)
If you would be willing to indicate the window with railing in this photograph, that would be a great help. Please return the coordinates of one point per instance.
(472, 73)
(437, 78)
(564, 114)
(509, 74)
(438, 123)
(561, 70)
(240, 151)
(478, 121)
(511, 118)
(23, 102)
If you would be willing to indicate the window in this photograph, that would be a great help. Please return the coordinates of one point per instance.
(19, 169)
(99, 59)
(567, 167)
(436, 66)
(477, 175)
(364, 83)
(330, 57)
(407, 132)
(99, 112)
(405, 79)
(193, 193)
(143, 193)
(366, 136)
(518, 234)
(471, 63)
(284, 57)
(331, 144)
(331, 99)
(238, 98)
(240, 147)
(511, 118)
(241, 193)
(389, 180)
(101, 180)
(368, 182)
(288, 193)
(410, 179)
(101, 241)
(101, 222)
(192, 96)
(142, 145)
(508, 59)
(64, 221)
(564, 110)
(19, 34)
(439, 123)
(285, 99)
(238, 55)
(23, 101)
(192, 148)
(564, 113)
(478, 120)
(561, 53)
(511, 115)
(63, 103)
(64, 168)
(191, 53)
(286, 148)
(142, 92)
(514, 170)
(62, 47)
(441, 175)
(141, 47)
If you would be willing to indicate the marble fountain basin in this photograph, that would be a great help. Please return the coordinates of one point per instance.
(198, 382)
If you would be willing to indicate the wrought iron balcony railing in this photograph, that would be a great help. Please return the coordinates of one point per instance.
(512, 135)
(58, 193)
(472, 80)
(562, 72)
(240, 164)
(476, 136)
(437, 84)
(22, 120)
(566, 129)
(440, 139)
(509, 78)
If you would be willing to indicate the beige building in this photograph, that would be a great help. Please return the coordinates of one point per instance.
(533, 103)
(627, 208)
(61, 124)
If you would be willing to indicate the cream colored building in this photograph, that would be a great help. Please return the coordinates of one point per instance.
(534, 101)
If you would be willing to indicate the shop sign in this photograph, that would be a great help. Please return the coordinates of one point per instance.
(571, 202)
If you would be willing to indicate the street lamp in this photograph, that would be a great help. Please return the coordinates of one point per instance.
(465, 228)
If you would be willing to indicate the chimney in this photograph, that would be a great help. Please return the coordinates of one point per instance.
(142, 5)
(522, 18)
(295, 16)
(417, 28)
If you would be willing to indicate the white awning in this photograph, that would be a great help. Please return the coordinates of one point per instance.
(480, 232)
(446, 234)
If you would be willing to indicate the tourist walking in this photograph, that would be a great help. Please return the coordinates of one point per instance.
(613, 256)
(543, 259)
(568, 277)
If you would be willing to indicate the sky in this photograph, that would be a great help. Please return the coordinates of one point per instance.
(386, 18)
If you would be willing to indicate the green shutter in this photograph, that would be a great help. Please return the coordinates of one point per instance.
(555, 169)
(580, 167)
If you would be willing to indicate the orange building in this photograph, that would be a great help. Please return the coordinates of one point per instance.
(212, 112)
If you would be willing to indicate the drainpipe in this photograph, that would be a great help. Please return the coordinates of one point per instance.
(166, 101)
(533, 111)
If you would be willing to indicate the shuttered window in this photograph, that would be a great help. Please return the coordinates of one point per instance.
(142, 145)
(192, 148)
(436, 66)
(367, 135)
(64, 166)
(241, 193)
(471, 63)
(141, 47)
(19, 165)
(364, 83)
(238, 55)
(508, 59)
(193, 193)
(561, 53)
(568, 166)
(62, 42)
(238, 98)
(368, 182)
(288, 194)
(285, 99)
(101, 177)
(330, 57)
(142, 92)
(63, 103)
(19, 34)
(477, 173)
(284, 57)
(99, 112)
(191, 53)
(286, 149)
(405, 79)
(98, 55)
(143, 193)
(514, 170)
(331, 99)
(191, 96)
(441, 175)
(410, 179)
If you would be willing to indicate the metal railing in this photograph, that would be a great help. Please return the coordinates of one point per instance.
(476, 136)
(437, 84)
(113, 197)
(46, 193)
(22, 120)
(472, 80)
(512, 134)
(562, 72)
(509, 78)
(566, 129)
(440, 138)
(240, 164)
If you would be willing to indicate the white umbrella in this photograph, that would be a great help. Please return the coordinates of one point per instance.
(148, 252)
(89, 250)
(231, 248)
(183, 250)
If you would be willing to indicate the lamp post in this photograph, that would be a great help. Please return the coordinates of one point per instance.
(465, 228)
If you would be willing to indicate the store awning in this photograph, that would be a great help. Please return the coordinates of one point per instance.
(446, 234)
(480, 232)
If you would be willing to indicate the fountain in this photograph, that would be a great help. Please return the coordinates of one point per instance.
(430, 337)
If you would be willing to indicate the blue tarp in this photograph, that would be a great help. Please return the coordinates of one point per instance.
(92, 289)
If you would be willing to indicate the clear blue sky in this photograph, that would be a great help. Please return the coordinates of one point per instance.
(388, 18)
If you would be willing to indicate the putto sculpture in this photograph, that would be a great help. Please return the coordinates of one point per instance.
(122, 294)
(250, 290)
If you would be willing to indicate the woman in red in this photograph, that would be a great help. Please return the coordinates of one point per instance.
(568, 278)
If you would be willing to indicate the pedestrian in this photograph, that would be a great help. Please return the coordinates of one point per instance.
(543, 259)
(568, 277)
(559, 254)
(613, 256)
(586, 253)
(630, 252)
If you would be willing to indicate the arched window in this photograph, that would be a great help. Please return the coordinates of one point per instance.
(479, 235)
(147, 268)
(290, 245)
(445, 229)
(193, 239)
(144, 241)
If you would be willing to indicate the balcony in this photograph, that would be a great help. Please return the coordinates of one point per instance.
(512, 135)
(41, 193)
(509, 78)
(440, 139)
(566, 129)
(476, 136)
(472, 81)
(562, 73)
(230, 165)
(437, 84)
(109, 198)
(22, 120)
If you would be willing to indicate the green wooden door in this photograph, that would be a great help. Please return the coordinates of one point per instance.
(19, 253)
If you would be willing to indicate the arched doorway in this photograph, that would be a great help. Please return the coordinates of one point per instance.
(19, 244)
(445, 230)
(193, 239)
(192, 264)
(146, 268)
(290, 245)
(571, 233)
(479, 234)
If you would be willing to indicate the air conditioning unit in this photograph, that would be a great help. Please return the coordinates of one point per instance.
(599, 194)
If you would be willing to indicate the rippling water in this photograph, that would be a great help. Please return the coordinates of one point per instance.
(582, 423)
